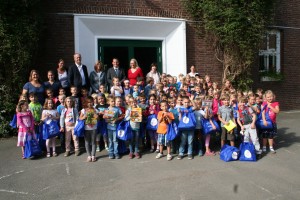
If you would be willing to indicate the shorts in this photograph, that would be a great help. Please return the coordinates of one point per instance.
(227, 136)
(162, 140)
(269, 134)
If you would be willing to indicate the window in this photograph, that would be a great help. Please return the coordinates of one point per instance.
(269, 53)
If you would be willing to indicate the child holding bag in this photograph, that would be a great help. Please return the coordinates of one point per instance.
(50, 114)
(68, 118)
(25, 124)
(187, 133)
(164, 119)
(272, 107)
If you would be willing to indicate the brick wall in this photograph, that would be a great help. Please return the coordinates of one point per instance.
(59, 38)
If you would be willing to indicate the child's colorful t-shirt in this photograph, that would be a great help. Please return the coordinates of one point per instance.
(91, 120)
(163, 125)
(245, 115)
(114, 112)
(175, 113)
(69, 119)
(36, 110)
(272, 115)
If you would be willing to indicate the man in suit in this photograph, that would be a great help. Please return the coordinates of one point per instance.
(78, 74)
(115, 71)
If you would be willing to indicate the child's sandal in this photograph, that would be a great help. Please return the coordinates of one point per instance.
(48, 155)
(94, 159)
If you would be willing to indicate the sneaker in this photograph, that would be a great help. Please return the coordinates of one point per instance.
(259, 152)
(190, 156)
(54, 154)
(98, 149)
(67, 153)
(272, 150)
(106, 148)
(111, 157)
(152, 150)
(264, 150)
(117, 156)
(157, 151)
(200, 153)
(159, 155)
(130, 155)
(77, 153)
(137, 155)
(169, 157)
(179, 157)
(48, 155)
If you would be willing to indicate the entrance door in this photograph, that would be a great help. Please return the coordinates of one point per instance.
(145, 52)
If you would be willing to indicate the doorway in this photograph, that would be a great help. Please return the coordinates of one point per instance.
(145, 52)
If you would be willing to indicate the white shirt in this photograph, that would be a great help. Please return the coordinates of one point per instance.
(81, 73)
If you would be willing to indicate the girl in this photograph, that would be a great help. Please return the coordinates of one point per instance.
(153, 109)
(199, 114)
(101, 107)
(90, 115)
(25, 123)
(102, 90)
(68, 117)
(116, 90)
(272, 107)
(50, 114)
(126, 88)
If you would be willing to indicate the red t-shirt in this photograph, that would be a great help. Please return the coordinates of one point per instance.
(133, 76)
(271, 113)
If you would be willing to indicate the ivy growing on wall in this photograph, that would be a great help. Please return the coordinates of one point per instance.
(235, 28)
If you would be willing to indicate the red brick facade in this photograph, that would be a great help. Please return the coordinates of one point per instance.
(59, 38)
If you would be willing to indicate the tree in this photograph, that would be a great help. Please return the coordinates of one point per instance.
(235, 28)
(20, 28)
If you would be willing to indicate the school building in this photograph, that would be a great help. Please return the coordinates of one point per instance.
(163, 32)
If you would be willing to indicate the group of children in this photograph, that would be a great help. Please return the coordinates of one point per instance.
(168, 101)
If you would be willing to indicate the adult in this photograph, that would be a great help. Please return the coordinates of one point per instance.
(193, 71)
(78, 74)
(52, 83)
(35, 86)
(154, 73)
(62, 75)
(115, 71)
(97, 77)
(134, 72)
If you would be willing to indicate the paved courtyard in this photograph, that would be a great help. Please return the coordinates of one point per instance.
(272, 177)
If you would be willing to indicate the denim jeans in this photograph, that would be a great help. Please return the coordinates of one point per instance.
(189, 137)
(134, 142)
(112, 142)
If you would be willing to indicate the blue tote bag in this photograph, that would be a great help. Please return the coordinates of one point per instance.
(152, 123)
(260, 123)
(13, 122)
(79, 128)
(187, 122)
(50, 130)
(32, 148)
(247, 152)
(172, 131)
(207, 127)
(124, 131)
(229, 153)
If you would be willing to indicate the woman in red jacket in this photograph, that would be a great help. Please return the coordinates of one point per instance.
(134, 72)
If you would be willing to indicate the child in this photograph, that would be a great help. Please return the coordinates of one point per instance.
(36, 109)
(175, 143)
(116, 90)
(246, 118)
(199, 114)
(135, 126)
(135, 93)
(77, 103)
(272, 107)
(112, 115)
(252, 104)
(126, 88)
(95, 97)
(153, 109)
(142, 104)
(49, 93)
(149, 86)
(59, 108)
(68, 118)
(50, 114)
(208, 115)
(90, 115)
(165, 85)
(186, 135)
(102, 90)
(225, 114)
(127, 101)
(25, 124)
(101, 107)
(164, 119)
(84, 95)
(140, 83)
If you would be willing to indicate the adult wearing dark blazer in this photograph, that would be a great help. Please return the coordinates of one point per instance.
(97, 77)
(115, 71)
(78, 74)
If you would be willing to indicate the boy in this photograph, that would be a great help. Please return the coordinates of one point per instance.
(164, 119)
(61, 100)
(116, 90)
(149, 86)
(172, 102)
(225, 114)
(246, 118)
(186, 135)
(76, 100)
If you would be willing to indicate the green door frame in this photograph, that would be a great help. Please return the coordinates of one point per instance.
(131, 44)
